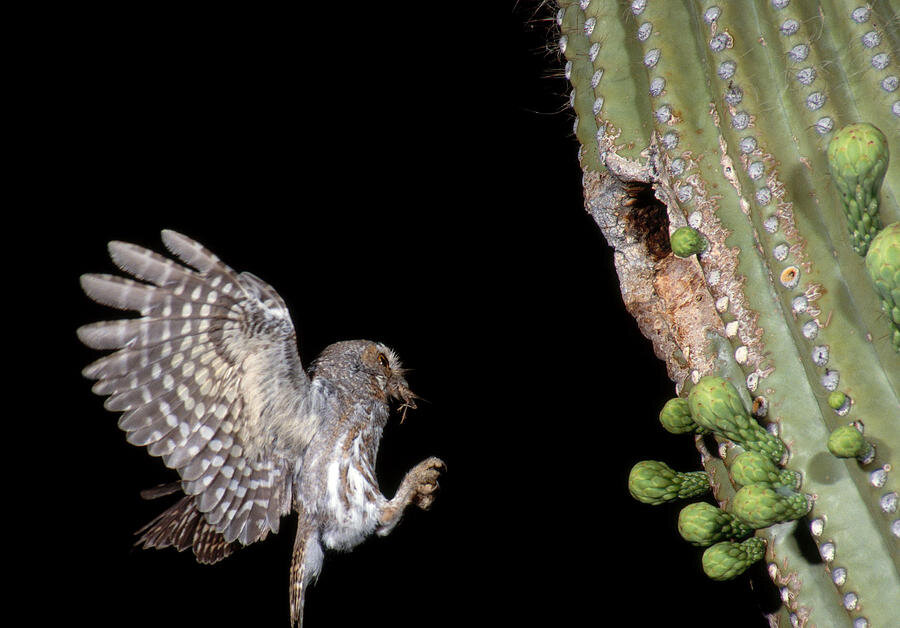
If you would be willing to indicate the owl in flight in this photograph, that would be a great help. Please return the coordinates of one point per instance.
(209, 378)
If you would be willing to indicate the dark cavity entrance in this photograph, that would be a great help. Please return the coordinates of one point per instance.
(647, 219)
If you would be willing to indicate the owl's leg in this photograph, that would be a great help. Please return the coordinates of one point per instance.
(417, 488)
(306, 563)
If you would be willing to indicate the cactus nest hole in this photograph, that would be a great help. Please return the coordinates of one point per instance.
(712, 447)
(647, 218)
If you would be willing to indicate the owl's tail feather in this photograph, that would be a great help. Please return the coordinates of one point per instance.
(298, 582)
(306, 563)
(183, 526)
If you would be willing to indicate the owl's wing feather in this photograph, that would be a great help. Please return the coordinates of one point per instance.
(209, 378)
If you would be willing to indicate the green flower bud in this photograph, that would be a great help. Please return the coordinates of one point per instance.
(687, 241)
(753, 467)
(760, 506)
(883, 264)
(836, 399)
(727, 560)
(847, 442)
(858, 158)
(655, 483)
(702, 524)
(716, 405)
(676, 417)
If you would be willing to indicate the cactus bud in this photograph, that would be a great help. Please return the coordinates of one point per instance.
(883, 264)
(716, 405)
(858, 157)
(676, 417)
(702, 524)
(727, 560)
(654, 482)
(753, 467)
(687, 241)
(837, 399)
(760, 506)
(847, 442)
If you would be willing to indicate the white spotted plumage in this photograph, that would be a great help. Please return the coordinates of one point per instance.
(209, 379)
(180, 376)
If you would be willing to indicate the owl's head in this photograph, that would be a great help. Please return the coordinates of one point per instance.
(367, 363)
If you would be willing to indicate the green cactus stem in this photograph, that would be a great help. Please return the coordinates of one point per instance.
(847, 442)
(716, 405)
(702, 524)
(753, 467)
(761, 506)
(676, 417)
(728, 560)
(653, 482)
(687, 241)
(719, 115)
(883, 264)
(858, 157)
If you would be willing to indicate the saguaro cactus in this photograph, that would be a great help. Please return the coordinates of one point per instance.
(718, 116)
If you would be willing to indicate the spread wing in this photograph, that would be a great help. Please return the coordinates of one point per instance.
(208, 378)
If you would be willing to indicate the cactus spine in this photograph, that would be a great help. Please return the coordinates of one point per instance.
(726, 113)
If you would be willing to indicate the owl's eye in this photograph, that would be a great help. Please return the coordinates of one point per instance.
(382, 360)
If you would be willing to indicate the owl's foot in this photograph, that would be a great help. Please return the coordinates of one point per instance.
(424, 477)
(418, 487)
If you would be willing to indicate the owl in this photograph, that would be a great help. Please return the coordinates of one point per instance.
(209, 378)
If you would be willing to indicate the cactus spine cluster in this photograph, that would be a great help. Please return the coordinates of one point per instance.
(765, 127)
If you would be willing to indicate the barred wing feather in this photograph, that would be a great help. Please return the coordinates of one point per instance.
(208, 378)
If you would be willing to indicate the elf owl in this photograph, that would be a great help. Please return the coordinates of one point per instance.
(209, 378)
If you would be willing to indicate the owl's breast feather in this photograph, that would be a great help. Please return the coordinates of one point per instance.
(352, 503)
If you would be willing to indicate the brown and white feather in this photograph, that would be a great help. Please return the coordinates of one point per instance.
(208, 378)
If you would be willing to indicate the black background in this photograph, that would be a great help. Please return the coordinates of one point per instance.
(402, 173)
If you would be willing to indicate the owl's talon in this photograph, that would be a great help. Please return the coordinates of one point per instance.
(425, 481)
